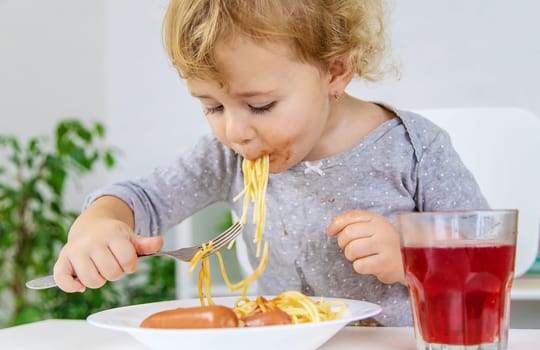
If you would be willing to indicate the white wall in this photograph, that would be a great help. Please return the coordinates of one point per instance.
(463, 53)
(51, 63)
(150, 114)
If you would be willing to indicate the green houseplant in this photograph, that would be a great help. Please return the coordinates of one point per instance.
(34, 222)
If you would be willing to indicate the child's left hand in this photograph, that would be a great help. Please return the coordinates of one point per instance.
(371, 243)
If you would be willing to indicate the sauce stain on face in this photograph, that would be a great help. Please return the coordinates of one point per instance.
(287, 152)
(279, 160)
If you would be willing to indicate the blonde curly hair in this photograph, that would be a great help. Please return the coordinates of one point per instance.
(319, 30)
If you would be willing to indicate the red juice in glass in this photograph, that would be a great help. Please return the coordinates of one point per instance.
(460, 294)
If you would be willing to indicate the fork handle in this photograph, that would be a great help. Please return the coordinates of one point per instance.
(41, 282)
(46, 282)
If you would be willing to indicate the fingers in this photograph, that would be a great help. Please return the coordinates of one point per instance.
(371, 243)
(368, 257)
(125, 254)
(354, 232)
(87, 272)
(378, 265)
(360, 248)
(370, 265)
(64, 276)
(340, 222)
(105, 263)
(147, 245)
(107, 266)
(87, 264)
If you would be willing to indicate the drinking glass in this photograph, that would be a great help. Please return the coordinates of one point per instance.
(459, 267)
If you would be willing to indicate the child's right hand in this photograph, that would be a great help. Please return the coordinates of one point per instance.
(101, 247)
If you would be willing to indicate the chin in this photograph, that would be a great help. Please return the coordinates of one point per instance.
(278, 167)
(275, 169)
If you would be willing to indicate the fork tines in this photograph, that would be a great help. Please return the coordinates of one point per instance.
(226, 237)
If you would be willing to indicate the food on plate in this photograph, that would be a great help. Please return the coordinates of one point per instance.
(286, 308)
(212, 316)
(299, 307)
(267, 318)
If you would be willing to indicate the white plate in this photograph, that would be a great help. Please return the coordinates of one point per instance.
(307, 336)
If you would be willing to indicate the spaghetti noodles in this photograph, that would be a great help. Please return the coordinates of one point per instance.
(204, 281)
(255, 185)
(300, 308)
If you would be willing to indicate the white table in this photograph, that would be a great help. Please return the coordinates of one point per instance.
(79, 335)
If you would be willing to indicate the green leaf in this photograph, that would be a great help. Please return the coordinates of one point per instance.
(33, 145)
(79, 156)
(61, 130)
(56, 180)
(99, 129)
(64, 146)
(84, 133)
(109, 159)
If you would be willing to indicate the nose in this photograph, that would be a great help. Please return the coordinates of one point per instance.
(239, 130)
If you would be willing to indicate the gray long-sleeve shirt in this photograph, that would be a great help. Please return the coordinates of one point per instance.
(406, 164)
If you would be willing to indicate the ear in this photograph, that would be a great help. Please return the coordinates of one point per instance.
(340, 75)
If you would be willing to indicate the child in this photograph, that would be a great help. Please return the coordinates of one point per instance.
(271, 78)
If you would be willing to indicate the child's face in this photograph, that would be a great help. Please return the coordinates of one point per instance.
(271, 104)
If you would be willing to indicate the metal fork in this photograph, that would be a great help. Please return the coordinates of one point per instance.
(183, 254)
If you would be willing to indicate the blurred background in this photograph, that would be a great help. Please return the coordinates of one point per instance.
(104, 61)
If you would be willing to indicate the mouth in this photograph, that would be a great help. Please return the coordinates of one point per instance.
(255, 156)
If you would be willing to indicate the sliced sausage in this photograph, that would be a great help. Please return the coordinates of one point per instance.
(212, 316)
(268, 318)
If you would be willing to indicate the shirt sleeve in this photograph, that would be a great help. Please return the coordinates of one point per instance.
(168, 195)
(444, 182)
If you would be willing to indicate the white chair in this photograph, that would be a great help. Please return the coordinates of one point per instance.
(501, 147)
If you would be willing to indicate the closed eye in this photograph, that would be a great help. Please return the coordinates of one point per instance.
(262, 109)
(212, 110)
(256, 110)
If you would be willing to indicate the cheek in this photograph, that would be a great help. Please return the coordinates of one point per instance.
(278, 138)
(218, 129)
(282, 143)
(288, 127)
